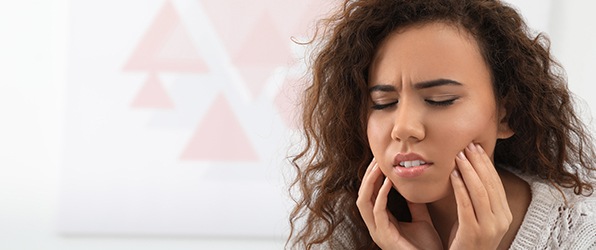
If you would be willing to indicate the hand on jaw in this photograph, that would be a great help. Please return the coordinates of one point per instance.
(482, 209)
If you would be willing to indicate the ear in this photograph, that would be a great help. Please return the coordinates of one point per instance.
(503, 130)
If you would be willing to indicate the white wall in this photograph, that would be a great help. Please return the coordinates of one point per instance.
(570, 25)
(573, 33)
(33, 45)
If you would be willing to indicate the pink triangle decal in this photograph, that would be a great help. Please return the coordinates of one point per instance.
(233, 19)
(289, 14)
(152, 95)
(166, 46)
(256, 77)
(220, 137)
(262, 52)
(300, 18)
(264, 46)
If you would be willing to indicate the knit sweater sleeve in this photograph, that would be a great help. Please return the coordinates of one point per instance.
(553, 223)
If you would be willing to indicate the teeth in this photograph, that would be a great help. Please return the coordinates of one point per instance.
(409, 164)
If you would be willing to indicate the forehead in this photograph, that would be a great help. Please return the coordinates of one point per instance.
(431, 50)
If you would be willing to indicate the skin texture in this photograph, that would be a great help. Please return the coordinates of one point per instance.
(550, 143)
(437, 123)
(437, 133)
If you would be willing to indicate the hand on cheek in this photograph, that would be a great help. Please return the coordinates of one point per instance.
(385, 230)
(482, 209)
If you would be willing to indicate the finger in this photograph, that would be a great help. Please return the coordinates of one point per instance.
(476, 190)
(367, 195)
(375, 180)
(371, 166)
(496, 184)
(477, 161)
(488, 176)
(419, 212)
(380, 211)
(373, 162)
(465, 210)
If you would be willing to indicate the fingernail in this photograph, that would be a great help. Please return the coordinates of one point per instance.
(461, 155)
(471, 147)
(455, 173)
(479, 148)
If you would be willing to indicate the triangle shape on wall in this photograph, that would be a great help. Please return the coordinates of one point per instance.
(262, 52)
(233, 20)
(256, 78)
(220, 137)
(264, 46)
(152, 95)
(166, 46)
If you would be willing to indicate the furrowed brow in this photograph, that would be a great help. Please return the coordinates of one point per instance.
(436, 83)
(382, 88)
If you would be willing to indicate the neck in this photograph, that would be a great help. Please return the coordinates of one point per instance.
(443, 212)
(444, 215)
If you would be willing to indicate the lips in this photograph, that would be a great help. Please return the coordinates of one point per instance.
(409, 160)
(410, 165)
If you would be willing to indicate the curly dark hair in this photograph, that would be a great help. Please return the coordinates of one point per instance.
(550, 140)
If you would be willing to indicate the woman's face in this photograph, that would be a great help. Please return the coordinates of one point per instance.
(431, 95)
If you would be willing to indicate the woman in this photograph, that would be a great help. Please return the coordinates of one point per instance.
(436, 125)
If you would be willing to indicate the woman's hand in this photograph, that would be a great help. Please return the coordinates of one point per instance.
(482, 209)
(384, 228)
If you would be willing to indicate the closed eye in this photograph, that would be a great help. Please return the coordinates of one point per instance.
(378, 106)
(441, 103)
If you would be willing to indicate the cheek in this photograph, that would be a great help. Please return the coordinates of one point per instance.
(479, 128)
(379, 134)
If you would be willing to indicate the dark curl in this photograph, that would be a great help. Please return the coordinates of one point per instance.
(550, 140)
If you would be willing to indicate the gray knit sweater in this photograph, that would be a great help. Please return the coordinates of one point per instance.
(552, 223)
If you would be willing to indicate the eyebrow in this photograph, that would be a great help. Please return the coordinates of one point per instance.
(420, 85)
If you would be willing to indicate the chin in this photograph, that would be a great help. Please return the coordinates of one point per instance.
(424, 195)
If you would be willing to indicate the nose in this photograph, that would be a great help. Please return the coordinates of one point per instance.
(408, 125)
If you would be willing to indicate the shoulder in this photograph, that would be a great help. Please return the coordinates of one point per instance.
(557, 218)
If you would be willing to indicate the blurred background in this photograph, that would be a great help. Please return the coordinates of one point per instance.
(164, 124)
